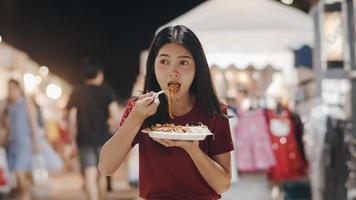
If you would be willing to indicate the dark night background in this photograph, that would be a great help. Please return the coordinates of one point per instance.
(59, 34)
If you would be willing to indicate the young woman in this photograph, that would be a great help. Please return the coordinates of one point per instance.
(23, 143)
(175, 169)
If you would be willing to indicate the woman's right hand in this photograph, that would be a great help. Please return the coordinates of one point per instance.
(146, 105)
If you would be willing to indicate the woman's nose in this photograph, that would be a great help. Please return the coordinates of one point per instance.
(174, 74)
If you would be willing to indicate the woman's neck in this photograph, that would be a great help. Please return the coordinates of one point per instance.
(182, 106)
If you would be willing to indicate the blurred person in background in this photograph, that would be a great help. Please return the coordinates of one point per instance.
(89, 109)
(20, 114)
(52, 160)
(63, 145)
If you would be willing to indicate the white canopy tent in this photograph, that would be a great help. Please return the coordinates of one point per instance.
(243, 33)
(249, 32)
(247, 26)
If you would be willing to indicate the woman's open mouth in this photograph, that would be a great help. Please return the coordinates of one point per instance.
(173, 87)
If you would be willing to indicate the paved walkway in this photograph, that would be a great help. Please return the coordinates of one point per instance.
(69, 186)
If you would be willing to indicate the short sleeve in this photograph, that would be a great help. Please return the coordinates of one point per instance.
(111, 95)
(222, 140)
(125, 114)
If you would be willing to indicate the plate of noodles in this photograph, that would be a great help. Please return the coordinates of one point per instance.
(178, 132)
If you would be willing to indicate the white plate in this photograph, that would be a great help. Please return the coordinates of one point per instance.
(177, 136)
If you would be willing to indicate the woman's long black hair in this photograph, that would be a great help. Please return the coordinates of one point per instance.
(202, 86)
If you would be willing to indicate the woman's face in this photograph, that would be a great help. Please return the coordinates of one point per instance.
(13, 91)
(175, 64)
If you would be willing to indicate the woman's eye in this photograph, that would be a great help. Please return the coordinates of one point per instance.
(184, 62)
(163, 62)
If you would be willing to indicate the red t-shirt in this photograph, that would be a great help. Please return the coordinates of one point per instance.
(169, 172)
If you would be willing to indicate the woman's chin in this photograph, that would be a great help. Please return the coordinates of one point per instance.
(176, 97)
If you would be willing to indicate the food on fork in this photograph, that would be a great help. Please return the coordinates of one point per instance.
(173, 89)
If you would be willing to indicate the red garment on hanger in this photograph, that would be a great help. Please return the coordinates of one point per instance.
(289, 162)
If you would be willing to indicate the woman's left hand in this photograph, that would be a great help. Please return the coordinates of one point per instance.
(184, 144)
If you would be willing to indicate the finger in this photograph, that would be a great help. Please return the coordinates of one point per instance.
(147, 100)
(145, 96)
(155, 102)
(148, 94)
(150, 100)
(153, 99)
(151, 93)
(170, 143)
(152, 109)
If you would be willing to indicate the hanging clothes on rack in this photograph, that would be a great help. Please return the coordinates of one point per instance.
(289, 162)
(351, 180)
(327, 151)
(254, 153)
(334, 159)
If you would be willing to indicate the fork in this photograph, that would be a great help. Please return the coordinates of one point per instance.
(157, 95)
(161, 92)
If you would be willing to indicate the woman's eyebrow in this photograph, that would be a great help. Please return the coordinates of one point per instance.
(188, 57)
(163, 55)
(166, 55)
